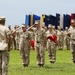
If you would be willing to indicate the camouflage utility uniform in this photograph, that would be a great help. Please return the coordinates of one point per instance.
(4, 54)
(39, 46)
(24, 47)
(60, 39)
(17, 38)
(51, 46)
(67, 40)
(72, 44)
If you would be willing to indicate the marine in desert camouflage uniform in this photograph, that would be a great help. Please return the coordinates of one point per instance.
(51, 45)
(40, 44)
(4, 49)
(10, 31)
(17, 37)
(72, 42)
(60, 38)
(24, 46)
(14, 41)
(67, 38)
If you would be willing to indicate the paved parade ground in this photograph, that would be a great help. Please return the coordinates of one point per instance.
(62, 66)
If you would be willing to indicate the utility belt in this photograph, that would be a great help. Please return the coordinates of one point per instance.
(73, 39)
(38, 41)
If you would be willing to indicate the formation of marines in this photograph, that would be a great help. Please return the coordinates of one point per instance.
(44, 38)
(40, 34)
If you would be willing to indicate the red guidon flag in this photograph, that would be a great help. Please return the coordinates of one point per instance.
(32, 43)
(53, 38)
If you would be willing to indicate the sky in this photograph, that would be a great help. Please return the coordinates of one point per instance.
(16, 10)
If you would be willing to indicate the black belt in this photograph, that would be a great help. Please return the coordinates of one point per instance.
(73, 39)
(38, 42)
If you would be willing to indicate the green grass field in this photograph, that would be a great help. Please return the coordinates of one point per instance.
(62, 66)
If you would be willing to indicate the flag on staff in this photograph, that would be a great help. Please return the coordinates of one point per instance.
(35, 17)
(47, 20)
(72, 15)
(64, 22)
(57, 22)
(52, 20)
(68, 19)
(61, 20)
(27, 20)
(31, 20)
(42, 19)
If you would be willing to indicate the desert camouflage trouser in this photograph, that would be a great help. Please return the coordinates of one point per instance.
(60, 43)
(72, 47)
(25, 54)
(40, 54)
(17, 43)
(51, 47)
(67, 41)
(4, 60)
